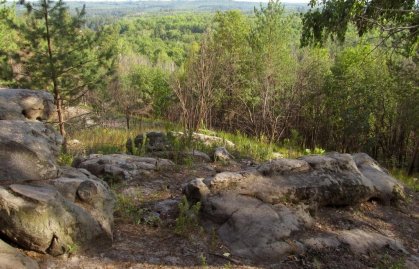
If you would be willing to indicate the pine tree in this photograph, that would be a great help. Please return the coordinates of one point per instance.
(59, 54)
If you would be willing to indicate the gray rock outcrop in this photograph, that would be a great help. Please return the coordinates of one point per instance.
(44, 207)
(22, 104)
(257, 212)
(28, 151)
(195, 156)
(122, 166)
(52, 216)
(222, 154)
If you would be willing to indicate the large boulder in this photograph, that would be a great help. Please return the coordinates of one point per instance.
(28, 151)
(39, 209)
(21, 104)
(122, 166)
(256, 211)
(59, 215)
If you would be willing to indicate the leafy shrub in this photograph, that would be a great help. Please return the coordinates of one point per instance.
(65, 159)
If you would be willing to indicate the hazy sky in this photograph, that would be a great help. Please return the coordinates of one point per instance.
(284, 1)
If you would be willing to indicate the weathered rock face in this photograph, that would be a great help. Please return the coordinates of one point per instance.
(28, 151)
(50, 217)
(122, 166)
(11, 258)
(39, 210)
(21, 104)
(222, 154)
(257, 211)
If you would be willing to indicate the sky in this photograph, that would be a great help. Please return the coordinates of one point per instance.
(284, 1)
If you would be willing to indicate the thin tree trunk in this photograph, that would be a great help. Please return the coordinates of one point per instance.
(413, 162)
(127, 118)
(57, 96)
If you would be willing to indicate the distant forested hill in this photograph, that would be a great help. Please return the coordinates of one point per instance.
(122, 8)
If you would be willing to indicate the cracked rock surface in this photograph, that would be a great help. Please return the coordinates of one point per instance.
(122, 166)
(261, 213)
(49, 217)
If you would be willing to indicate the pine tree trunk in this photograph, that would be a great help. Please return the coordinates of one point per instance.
(57, 96)
(127, 118)
(413, 162)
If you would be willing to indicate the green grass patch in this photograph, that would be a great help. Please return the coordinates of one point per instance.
(113, 140)
(188, 220)
(104, 140)
(410, 181)
(258, 149)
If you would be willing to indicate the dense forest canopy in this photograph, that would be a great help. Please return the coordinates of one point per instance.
(396, 20)
(235, 71)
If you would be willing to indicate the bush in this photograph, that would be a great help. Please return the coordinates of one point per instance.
(188, 219)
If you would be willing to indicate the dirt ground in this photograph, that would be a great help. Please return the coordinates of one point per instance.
(147, 244)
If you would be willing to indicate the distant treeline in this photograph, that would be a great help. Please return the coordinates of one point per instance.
(135, 8)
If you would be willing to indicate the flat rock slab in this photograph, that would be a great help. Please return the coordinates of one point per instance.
(255, 229)
(122, 166)
(22, 104)
(43, 195)
(28, 151)
(12, 258)
(363, 241)
(258, 212)
(194, 156)
(358, 240)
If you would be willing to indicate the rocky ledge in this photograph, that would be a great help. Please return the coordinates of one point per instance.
(261, 214)
(44, 207)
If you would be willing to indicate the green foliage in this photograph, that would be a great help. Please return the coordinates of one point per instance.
(396, 19)
(165, 38)
(203, 260)
(8, 46)
(127, 207)
(65, 159)
(72, 248)
(318, 151)
(357, 90)
(112, 140)
(240, 73)
(188, 220)
(411, 181)
(59, 50)
(389, 262)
